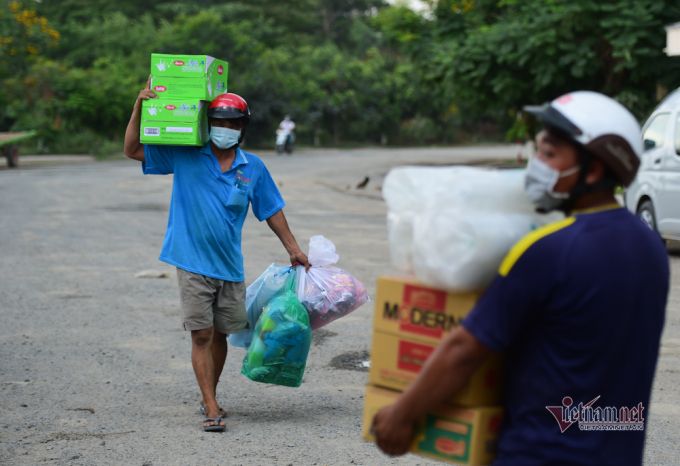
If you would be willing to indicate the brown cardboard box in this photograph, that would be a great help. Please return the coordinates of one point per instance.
(406, 307)
(396, 361)
(457, 435)
(409, 322)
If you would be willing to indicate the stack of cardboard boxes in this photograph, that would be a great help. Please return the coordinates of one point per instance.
(185, 85)
(410, 320)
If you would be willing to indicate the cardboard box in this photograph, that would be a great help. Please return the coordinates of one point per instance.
(187, 66)
(174, 122)
(396, 362)
(457, 435)
(406, 307)
(187, 88)
(188, 76)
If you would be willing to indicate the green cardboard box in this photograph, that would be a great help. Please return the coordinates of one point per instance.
(174, 122)
(188, 76)
(187, 88)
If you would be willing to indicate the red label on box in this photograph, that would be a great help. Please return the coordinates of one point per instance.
(160, 88)
(170, 107)
(220, 69)
(412, 356)
(424, 311)
(449, 447)
(179, 63)
(495, 424)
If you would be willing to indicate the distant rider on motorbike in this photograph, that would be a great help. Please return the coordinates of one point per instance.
(288, 125)
(285, 130)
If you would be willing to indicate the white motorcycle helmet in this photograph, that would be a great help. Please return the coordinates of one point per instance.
(600, 125)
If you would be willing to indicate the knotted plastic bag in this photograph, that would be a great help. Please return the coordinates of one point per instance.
(281, 340)
(328, 293)
(258, 295)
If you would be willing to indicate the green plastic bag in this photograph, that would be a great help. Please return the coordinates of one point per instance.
(281, 341)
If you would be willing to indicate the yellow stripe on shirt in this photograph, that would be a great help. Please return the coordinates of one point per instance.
(595, 210)
(526, 242)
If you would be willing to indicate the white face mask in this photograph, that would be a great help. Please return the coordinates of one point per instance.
(540, 181)
(224, 138)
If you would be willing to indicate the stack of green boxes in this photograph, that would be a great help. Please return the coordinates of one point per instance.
(185, 85)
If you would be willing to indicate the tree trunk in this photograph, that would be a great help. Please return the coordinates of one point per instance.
(327, 21)
(336, 133)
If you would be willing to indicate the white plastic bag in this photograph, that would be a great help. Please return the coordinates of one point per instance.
(453, 226)
(328, 293)
(258, 295)
(413, 189)
(463, 252)
(321, 251)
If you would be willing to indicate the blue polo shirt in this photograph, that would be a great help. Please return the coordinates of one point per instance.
(579, 308)
(208, 207)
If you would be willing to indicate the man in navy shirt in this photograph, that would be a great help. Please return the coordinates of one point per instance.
(578, 306)
(212, 188)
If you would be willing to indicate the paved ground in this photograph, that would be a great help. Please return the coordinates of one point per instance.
(95, 370)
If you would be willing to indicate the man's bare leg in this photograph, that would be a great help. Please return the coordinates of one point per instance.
(219, 356)
(202, 360)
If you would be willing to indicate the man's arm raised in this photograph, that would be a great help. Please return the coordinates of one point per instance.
(133, 148)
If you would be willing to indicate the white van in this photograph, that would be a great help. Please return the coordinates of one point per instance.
(655, 193)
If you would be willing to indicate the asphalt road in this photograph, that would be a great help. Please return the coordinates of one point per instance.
(94, 368)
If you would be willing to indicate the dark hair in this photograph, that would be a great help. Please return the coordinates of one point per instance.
(562, 136)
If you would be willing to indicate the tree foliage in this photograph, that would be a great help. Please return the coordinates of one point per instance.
(23, 33)
(492, 57)
(346, 70)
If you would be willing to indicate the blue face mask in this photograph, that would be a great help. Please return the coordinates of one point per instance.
(224, 138)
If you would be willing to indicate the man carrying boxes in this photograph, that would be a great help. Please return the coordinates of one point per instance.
(578, 307)
(214, 182)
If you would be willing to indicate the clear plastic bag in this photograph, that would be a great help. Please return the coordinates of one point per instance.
(456, 251)
(414, 189)
(258, 295)
(453, 226)
(281, 341)
(322, 251)
(328, 293)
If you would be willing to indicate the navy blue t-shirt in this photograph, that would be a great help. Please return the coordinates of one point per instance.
(579, 307)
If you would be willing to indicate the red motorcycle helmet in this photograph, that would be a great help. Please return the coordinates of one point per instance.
(230, 106)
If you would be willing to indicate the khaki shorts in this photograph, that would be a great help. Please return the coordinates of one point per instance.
(209, 302)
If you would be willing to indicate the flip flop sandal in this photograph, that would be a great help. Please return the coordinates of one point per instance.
(202, 409)
(215, 428)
